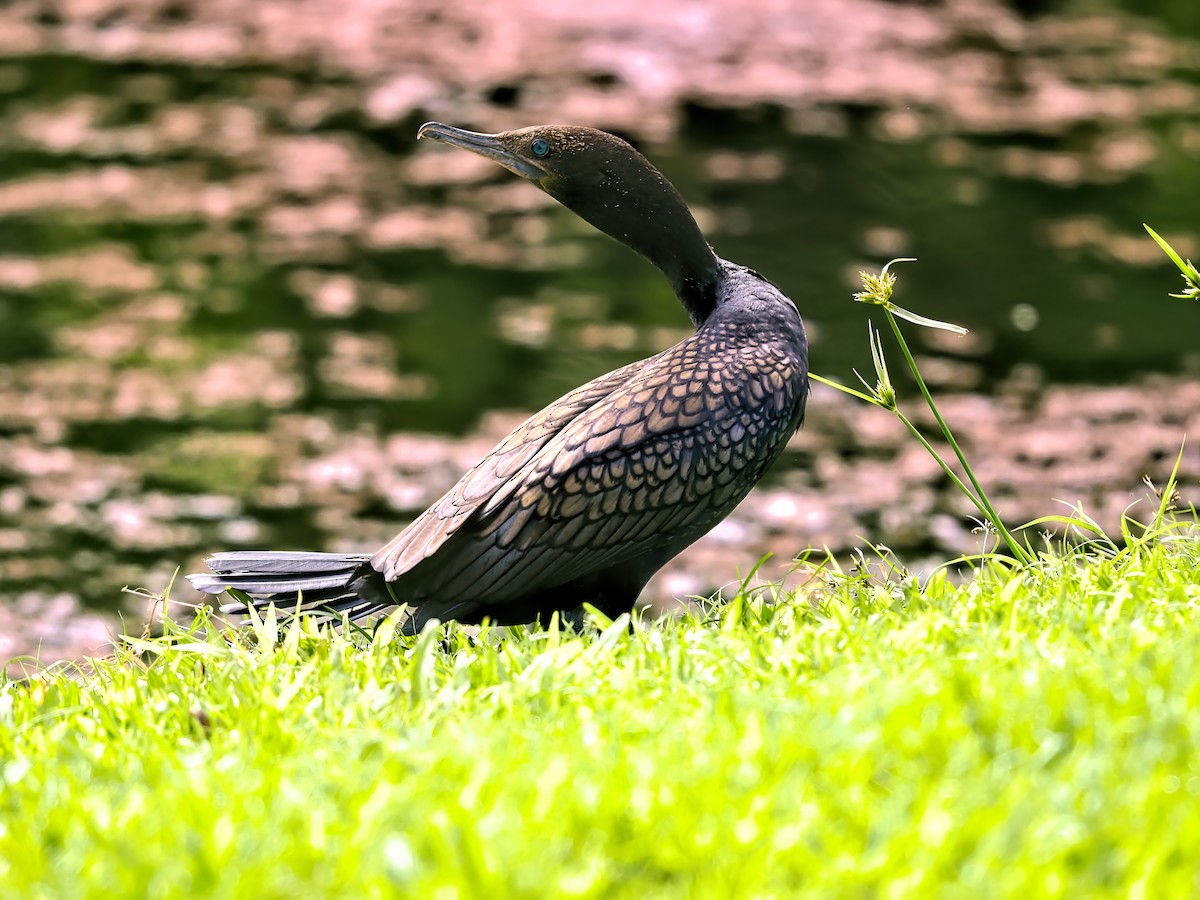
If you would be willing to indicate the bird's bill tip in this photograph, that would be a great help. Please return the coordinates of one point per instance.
(431, 130)
(491, 146)
(450, 134)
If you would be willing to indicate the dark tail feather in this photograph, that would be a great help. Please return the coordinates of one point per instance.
(331, 583)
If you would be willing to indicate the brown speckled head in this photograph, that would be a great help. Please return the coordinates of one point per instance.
(608, 183)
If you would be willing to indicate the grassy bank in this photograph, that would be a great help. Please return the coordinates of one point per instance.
(1029, 732)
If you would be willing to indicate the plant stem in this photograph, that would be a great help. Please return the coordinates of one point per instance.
(915, 432)
(979, 496)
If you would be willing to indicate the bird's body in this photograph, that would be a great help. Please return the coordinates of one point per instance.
(588, 498)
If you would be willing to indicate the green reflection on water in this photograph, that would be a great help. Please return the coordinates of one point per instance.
(999, 222)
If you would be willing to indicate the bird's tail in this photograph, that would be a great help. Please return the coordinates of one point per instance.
(332, 583)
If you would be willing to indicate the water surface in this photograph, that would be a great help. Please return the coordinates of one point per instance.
(240, 306)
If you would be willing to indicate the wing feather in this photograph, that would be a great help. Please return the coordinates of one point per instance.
(597, 492)
(429, 531)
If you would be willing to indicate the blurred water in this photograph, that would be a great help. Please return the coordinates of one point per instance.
(225, 263)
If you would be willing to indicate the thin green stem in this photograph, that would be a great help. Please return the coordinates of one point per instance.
(838, 386)
(980, 496)
(915, 432)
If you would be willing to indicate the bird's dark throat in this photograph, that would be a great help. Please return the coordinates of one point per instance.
(698, 294)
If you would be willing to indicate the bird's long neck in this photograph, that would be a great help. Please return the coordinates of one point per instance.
(634, 203)
(691, 267)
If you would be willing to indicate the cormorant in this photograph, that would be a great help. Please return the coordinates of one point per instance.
(591, 496)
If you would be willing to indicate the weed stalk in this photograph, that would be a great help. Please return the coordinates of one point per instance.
(877, 290)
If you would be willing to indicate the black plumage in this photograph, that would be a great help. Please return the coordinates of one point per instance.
(591, 496)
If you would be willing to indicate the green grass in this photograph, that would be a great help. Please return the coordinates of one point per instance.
(1031, 732)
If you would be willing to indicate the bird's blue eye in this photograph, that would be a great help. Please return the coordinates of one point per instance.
(540, 147)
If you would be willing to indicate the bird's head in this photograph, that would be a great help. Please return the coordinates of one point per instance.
(605, 181)
(565, 161)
